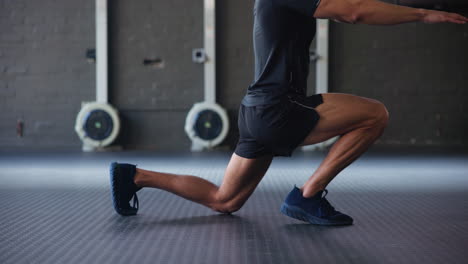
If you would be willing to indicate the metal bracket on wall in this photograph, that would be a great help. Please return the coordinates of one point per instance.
(320, 57)
(101, 51)
(207, 122)
(321, 85)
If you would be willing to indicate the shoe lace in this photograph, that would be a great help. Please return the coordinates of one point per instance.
(326, 209)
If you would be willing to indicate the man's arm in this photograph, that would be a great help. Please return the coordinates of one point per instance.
(373, 12)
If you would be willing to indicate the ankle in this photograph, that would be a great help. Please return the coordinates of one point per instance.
(139, 178)
(310, 191)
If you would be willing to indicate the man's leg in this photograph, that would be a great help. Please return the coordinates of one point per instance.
(240, 180)
(359, 121)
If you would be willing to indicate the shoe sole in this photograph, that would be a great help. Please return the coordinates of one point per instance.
(300, 214)
(115, 183)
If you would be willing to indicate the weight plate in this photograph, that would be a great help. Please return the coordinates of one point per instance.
(98, 125)
(208, 125)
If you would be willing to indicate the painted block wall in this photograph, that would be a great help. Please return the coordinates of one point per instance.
(44, 73)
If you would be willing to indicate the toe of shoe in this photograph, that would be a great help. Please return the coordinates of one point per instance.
(120, 193)
(342, 219)
(115, 184)
(112, 166)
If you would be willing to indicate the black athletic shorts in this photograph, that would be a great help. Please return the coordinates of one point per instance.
(276, 129)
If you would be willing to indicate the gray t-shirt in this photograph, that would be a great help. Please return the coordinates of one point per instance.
(283, 31)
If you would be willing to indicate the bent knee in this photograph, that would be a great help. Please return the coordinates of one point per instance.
(384, 116)
(379, 115)
(227, 207)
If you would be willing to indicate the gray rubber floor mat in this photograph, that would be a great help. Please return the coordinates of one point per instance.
(76, 224)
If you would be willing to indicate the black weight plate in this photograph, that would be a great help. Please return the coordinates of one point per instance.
(208, 125)
(98, 125)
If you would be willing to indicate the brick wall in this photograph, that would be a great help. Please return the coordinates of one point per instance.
(419, 71)
(44, 74)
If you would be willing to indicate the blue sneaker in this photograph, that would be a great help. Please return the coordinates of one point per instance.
(315, 210)
(123, 188)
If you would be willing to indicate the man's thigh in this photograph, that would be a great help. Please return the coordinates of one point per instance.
(341, 113)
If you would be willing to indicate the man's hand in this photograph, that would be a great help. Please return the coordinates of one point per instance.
(432, 17)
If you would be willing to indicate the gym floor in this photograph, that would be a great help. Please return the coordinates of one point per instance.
(409, 207)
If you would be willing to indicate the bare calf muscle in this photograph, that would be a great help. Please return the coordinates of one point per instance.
(359, 121)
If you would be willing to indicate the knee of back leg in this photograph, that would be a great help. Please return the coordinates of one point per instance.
(227, 207)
